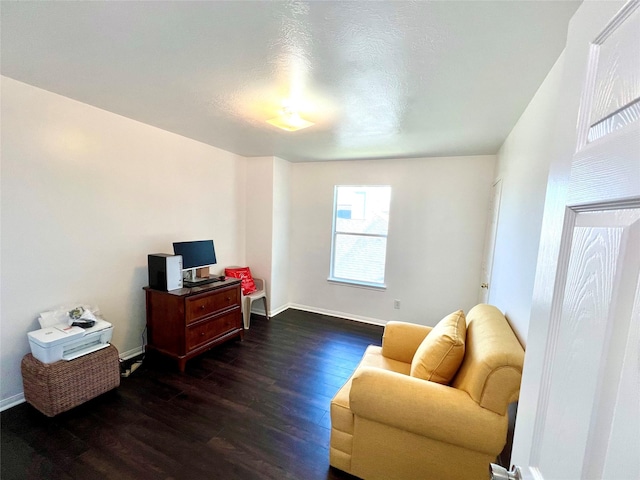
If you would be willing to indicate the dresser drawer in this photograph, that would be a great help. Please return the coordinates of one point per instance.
(185, 322)
(200, 306)
(203, 332)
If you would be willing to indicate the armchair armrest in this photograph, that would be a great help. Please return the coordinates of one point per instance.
(426, 408)
(401, 340)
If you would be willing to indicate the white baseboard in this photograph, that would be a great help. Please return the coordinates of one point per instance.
(131, 353)
(278, 310)
(333, 313)
(11, 401)
(259, 309)
(322, 311)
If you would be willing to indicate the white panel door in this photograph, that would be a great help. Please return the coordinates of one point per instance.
(579, 411)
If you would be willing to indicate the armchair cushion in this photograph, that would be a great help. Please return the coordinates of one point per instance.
(244, 273)
(440, 354)
(428, 409)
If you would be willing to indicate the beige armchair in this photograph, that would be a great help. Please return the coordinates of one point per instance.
(386, 424)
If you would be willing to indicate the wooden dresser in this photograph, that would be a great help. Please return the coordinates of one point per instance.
(186, 322)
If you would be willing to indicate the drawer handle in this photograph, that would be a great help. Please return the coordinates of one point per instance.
(228, 299)
(202, 334)
(201, 307)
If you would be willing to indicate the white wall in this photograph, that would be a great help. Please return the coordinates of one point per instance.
(281, 235)
(267, 190)
(86, 195)
(523, 166)
(259, 227)
(438, 213)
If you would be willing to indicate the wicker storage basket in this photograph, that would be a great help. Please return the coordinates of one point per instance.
(57, 387)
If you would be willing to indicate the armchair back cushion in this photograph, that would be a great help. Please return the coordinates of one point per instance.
(440, 354)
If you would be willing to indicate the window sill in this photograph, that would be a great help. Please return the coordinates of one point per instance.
(355, 283)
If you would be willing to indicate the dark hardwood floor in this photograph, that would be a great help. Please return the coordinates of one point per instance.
(252, 409)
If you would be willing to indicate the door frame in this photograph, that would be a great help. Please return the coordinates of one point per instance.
(490, 236)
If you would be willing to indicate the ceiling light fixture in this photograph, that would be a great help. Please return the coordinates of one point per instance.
(289, 120)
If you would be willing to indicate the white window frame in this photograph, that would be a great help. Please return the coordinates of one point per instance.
(348, 281)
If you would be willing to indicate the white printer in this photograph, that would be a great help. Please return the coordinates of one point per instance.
(64, 342)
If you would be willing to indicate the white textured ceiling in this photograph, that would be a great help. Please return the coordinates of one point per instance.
(382, 79)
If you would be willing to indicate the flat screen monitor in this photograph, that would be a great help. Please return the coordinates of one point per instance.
(195, 254)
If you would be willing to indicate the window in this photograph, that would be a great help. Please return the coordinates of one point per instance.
(360, 226)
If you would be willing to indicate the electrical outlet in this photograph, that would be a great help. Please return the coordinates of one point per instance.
(396, 304)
